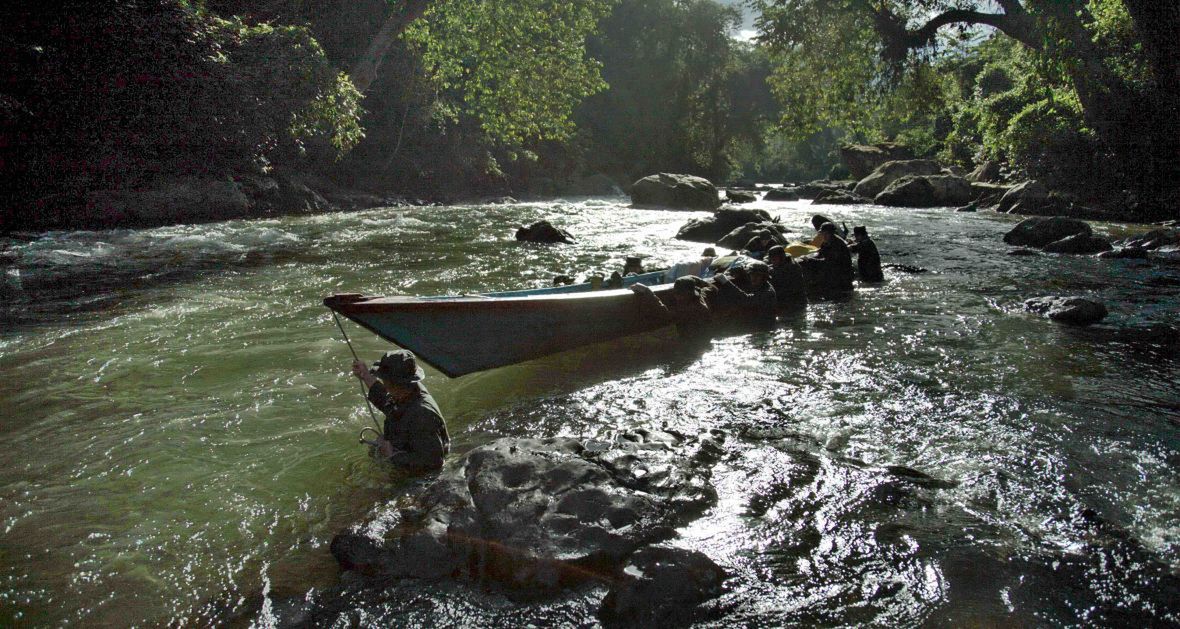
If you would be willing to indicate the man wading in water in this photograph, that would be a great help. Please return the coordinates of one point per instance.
(415, 434)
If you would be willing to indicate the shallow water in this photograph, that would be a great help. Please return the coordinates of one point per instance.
(178, 431)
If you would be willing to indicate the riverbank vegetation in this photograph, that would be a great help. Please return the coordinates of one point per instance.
(447, 99)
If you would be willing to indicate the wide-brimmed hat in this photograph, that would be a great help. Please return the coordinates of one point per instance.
(828, 227)
(777, 249)
(399, 367)
(860, 229)
(758, 267)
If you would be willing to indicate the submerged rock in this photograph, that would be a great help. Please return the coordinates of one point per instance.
(1039, 231)
(1154, 239)
(538, 513)
(661, 587)
(544, 232)
(715, 227)
(676, 192)
(1125, 253)
(1073, 310)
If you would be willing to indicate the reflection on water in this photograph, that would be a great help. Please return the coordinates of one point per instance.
(179, 432)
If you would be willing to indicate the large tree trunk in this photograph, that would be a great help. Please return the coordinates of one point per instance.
(400, 15)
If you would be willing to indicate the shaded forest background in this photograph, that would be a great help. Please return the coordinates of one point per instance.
(533, 96)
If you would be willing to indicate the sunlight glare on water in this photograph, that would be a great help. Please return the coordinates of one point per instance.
(179, 428)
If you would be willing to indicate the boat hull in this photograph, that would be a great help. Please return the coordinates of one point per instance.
(464, 334)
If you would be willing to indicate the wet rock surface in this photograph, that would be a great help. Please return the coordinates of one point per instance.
(543, 232)
(675, 191)
(1072, 310)
(926, 191)
(713, 228)
(661, 587)
(537, 514)
(1038, 231)
(1079, 244)
(880, 179)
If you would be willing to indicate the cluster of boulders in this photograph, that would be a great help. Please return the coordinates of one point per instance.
(539, 515)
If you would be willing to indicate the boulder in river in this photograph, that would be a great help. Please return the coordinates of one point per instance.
(926, 191)
(1154, 239)
(661, 587)
(738, 238)
(1079, 244)
(1040, 231)
(1125, 253)
(740, 196)
(539, 513)
(818, 187)
(781, 194)
(1072, 310)
(839, 197)
(1026, 198)
(861, 159)
(713, 228)
(674, 191)
(887, 173)
(543, 232)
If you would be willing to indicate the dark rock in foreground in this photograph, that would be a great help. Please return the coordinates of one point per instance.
(1073, 310)
(539, 513)
(723, 221)
(544, 232)
(1080, 244)
(1038, 231)
(674, 191)
(661, 587)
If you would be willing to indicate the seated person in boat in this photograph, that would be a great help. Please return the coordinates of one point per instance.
(787, 278)
(633, 266)
(868, 259)
(747, 293)
(687, 306)
(415, 434)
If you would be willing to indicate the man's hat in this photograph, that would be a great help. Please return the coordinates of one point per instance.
(686, 284)
(398, 367)
(777, 249)
(860, 229)
(828, 227)
(758, 267)
(709, 252)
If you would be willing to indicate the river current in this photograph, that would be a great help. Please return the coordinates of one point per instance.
(178, 428)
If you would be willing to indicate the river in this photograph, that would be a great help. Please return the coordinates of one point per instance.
(178, 429)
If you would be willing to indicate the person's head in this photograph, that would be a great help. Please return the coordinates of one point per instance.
(776, 255)
(400, 372)
(860, 232)
(709, 252)
(684, 290)
(633, 264)
(827, 228)
(759, 271)
(818, 221)
(739, 275)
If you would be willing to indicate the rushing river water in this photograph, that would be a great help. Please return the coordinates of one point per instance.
(178, 429)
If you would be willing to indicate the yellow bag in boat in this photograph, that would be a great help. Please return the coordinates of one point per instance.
(798, 249)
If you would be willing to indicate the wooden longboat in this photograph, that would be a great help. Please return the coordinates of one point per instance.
(462, 334)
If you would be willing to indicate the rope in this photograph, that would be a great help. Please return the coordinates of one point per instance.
(364, 393)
